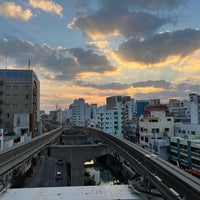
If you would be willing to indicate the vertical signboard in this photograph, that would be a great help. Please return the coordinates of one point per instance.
(1, 139)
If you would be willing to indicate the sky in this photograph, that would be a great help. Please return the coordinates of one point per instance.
(94, 49)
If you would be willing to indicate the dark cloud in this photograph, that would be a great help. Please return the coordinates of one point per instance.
(64, 63)
(90, 61)
(127, 17)
(170, 90)
(119, 86)
(157, 84)
(110, 86)
(124, 22)
(160, 46)
(158, 4)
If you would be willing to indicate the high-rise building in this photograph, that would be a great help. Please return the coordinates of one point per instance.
(81, 112)
(19, 101)
(195, 108)
(113, 101)
(140, 106)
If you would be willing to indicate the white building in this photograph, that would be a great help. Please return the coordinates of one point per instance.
(195, 108)
(155, 128)
(129, 110)
(187, 122)
(180, 110)
(110, 120)
(21, 124)
(80, 112)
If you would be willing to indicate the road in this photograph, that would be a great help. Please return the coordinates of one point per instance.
(44, 175)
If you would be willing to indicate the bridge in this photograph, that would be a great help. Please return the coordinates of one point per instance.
(172, 182)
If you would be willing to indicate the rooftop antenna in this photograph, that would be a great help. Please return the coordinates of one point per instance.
(29, 64)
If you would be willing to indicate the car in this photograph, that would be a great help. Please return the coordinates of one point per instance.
(58, 175)
(60, 162)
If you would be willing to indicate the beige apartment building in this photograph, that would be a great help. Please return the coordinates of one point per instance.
(19, 101)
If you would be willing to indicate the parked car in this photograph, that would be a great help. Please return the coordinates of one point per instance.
(60, 162)
(58, 175)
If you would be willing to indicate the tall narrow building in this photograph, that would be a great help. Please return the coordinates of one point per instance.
(19, 101)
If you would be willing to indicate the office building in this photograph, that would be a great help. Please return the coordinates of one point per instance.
(19, 102)
(141, 106)
(113, 101)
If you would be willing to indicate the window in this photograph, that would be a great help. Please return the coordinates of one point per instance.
(15, 96)
(15, 87)
(7, 96)
(18, 120)
(7, 87)
(14, 106)
(7, 106)
(27, 87)
(26, 96)
(7, 115)
(26, 106)
(7, 125)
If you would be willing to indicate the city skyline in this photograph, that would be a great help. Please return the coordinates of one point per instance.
(93, 49)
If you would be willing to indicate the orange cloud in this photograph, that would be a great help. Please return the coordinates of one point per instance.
(11, 10)
(47, 6)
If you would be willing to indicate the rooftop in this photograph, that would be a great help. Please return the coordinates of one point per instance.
(79, 192)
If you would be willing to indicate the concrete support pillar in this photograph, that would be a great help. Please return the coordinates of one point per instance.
(77, 172)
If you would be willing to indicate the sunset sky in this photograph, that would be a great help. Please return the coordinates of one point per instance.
(93, 49)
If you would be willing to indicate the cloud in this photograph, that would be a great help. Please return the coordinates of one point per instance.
(91, 61)
(110, 86)
(63, 64)
(150, 4)
(157, 84)
(11, 10)
(47, 6)
(145, 89)
(166, 85)
(160, 46)
(128, 18)
(124, 23)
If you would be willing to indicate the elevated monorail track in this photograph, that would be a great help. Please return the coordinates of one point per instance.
(12, 157)
(166, 177)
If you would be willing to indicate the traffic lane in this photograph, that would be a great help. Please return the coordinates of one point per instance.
(48, 177)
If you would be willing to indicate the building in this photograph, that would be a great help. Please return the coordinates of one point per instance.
(141, 106)
(110, 120)
(19, 99)
(80, 112)
(195, 108)
(184, 151)
(130, 121)
(155, 128)
(186, 115)
(113, 101)
(180, 110)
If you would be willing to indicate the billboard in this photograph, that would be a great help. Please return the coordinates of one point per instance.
(1, 139)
